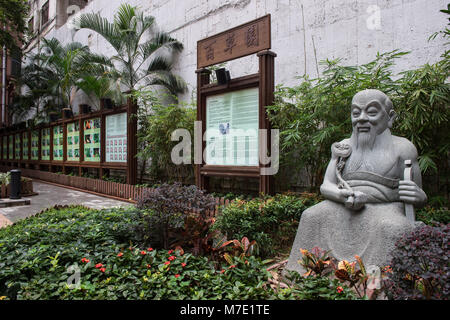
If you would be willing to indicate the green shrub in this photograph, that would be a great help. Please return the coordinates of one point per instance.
(35, 255)
(271, 222)
(430, 215)
(316, 288)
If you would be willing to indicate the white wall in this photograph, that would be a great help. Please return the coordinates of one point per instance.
(341, 29)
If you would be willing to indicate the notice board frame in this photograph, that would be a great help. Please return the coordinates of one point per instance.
(264, 80)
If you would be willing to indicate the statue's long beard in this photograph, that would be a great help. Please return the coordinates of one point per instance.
(359, 160)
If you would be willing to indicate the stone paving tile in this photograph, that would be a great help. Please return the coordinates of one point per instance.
(51, 195)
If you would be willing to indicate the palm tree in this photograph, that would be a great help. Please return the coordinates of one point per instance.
(68, 64)
(55, 74)
(138, 60)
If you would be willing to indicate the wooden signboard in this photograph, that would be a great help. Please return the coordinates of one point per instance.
(238, 42)
(239, 104)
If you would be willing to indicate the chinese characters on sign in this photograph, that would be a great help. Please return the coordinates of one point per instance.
(243, 40)
(232, 128)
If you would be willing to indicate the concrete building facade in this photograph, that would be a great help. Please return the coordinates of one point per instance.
(304, 32)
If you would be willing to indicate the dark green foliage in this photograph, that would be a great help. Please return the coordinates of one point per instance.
(157, 121)
(35, 254)
(430, 215)
(174, 214)
(13, 14)
(318, 288)
(271, 221)
(420, 265)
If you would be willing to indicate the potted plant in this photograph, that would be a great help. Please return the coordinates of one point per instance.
(67, 113)
(85, 108)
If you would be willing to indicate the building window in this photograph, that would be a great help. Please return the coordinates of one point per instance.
(16, 63)
(44, 13)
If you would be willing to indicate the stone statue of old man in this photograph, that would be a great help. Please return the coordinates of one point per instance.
(365, 189)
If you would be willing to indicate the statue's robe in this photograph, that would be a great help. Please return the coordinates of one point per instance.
(370, 233)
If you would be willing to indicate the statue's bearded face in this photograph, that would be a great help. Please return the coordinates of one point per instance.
(369, 118)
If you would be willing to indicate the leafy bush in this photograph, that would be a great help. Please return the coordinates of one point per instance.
(175, 214)
(157, 121)
(271, 222)
(316, 288)
(420, 265)
(36, 254)
(430, 215)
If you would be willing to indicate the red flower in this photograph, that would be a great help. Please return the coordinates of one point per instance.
(177, 275)
(148, 266)
(167, 263)
(183, 264)
(102, 269)
(143, 252)
(171, 258)
(150, 249)
(170, 251)
(222, 271)
(98, 265)
(339, 289)
(120, 254)
(232, 266)
(84, 260)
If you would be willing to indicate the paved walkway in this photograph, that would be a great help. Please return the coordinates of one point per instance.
(50, 195)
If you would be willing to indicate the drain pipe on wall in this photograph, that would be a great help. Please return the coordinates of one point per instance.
(2, 116)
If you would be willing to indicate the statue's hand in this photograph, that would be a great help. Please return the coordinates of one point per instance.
(410, 192)
(359, 200)
(353, 200)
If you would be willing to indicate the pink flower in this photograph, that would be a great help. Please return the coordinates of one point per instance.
(222, 271)
(102, 269)
(183, 264)
(148, 266)
(177, 275)
(98, 265)
(171, 258)
(167, 263)
(339, 289)
(120, 254)
(150, 249)
(170, 251)
(143, 252)
(84, 260)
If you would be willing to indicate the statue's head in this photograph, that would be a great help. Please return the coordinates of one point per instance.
(372, 111)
